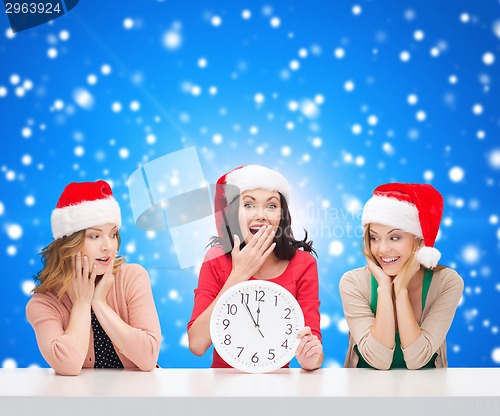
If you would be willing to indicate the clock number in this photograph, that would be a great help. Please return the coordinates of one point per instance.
(271, 354)
(289, 330)
(255, 359)
(241, 350)
(287, 316)
(259, 295)
(285, 344)
(245, 298)
(275, 300)
(227, 339)
(232, 309)
(226, 323)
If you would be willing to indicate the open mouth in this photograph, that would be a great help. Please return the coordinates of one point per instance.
(389, 260)
(255, 229)
(103, 260)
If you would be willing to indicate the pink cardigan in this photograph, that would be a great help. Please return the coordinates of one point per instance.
(130, 297)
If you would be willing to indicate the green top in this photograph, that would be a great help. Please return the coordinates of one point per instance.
(398, 360)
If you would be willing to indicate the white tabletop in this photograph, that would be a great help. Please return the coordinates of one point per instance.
(457, 391)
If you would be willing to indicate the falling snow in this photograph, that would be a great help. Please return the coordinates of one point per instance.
(336, 109)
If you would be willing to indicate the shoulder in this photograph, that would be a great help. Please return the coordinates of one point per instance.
(215, 252)
(447, 286)
(43, 298)
(357, 277)
(302, 257)
(302, 266)
(448, 277)
(217, 257)
(40, 302)
(361, 273)
(132, 274)
(132, 269)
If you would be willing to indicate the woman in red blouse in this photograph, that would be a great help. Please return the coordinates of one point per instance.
(255, 241)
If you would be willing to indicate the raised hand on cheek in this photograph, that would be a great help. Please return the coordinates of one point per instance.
(403, 279)
(377, 272)
(104, 285)
(82, 286)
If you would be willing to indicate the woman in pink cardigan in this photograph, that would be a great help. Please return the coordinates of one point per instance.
(90, 309)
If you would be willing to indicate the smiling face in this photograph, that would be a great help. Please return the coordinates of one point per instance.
(391, 247)
(258, 208)
(100, 246)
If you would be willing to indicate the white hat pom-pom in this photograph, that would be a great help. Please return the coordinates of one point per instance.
(428, 257)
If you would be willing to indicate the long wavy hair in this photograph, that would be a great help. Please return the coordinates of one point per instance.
(286, 244)
(57, 272)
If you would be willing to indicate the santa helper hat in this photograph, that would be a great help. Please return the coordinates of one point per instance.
(415, 208)
(246, 178)
(83, 205)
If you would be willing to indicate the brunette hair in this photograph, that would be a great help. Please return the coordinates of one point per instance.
(57, 272)
(286, 244)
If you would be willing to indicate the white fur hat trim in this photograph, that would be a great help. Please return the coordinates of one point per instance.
(255, 177)
(392, 212)
(73, 218)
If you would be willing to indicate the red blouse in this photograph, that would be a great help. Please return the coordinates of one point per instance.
(300, 278)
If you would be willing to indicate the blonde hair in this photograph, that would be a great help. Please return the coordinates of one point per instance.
(57, 272)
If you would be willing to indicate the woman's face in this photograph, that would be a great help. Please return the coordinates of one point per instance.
(258, 208)
(100, 246)
(391, 246)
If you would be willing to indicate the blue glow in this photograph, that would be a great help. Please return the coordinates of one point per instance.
(339, 96)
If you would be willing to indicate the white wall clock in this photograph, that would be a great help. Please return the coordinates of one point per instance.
(254, 326)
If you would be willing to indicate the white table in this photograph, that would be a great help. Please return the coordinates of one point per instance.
(219, 392)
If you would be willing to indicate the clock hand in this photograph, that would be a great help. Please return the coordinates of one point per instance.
(258, 313)
(258, 325)
(251, 316)
(250, 313)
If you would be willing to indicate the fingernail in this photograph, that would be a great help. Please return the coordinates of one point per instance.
(85, 258)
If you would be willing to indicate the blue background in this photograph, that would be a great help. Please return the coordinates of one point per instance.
(340, 96)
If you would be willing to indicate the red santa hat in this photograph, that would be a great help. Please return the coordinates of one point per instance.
(415, 208)
(245, 178)
(83, 205)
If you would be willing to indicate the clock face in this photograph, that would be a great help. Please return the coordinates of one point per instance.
(254, 326)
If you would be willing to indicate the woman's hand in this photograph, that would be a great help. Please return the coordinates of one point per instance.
(309, 352)
(248, 261)
(104, 285)
(409, 270)
(380, 276)
(81, 289)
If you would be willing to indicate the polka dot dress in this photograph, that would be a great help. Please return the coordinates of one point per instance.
(105, 354)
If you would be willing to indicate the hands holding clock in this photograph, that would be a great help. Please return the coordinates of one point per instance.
(282, 322)
(270, 331)
(309, 352)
